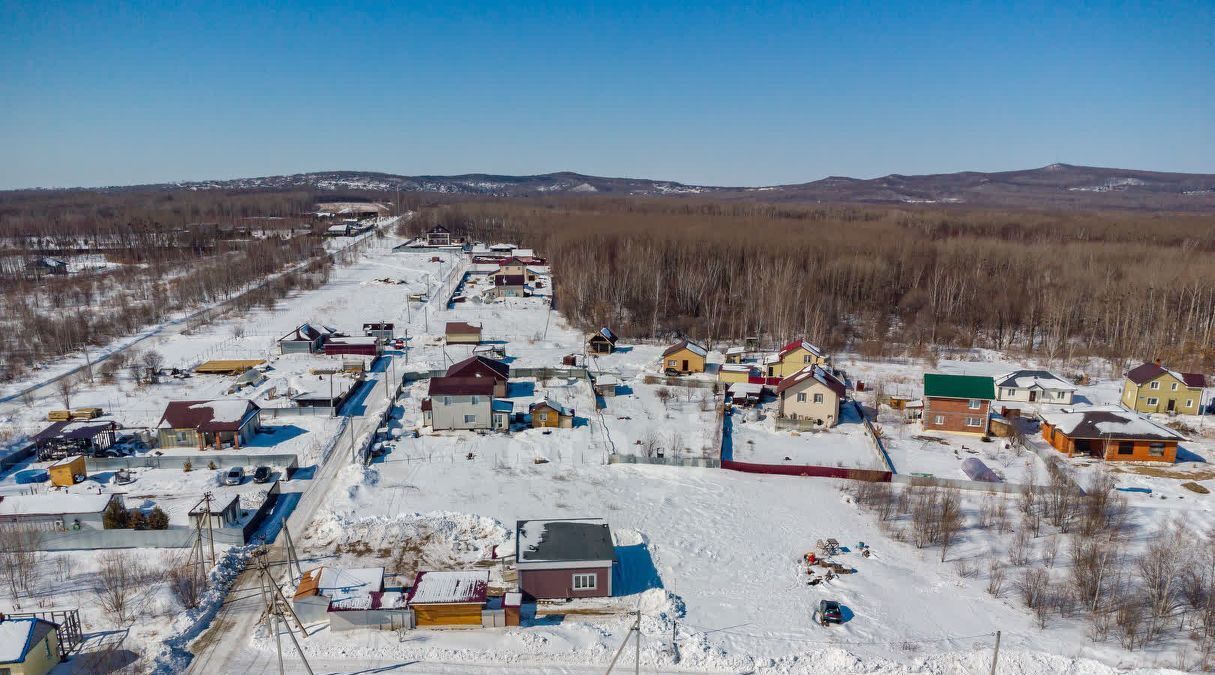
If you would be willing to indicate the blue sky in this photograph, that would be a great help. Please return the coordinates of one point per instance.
(700, 92)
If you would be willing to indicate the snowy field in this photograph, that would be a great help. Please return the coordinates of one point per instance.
(845, 445)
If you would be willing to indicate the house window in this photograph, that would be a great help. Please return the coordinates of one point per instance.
(1153, 401)
(974, 421)
(1189, 403)
(1173, 386)
(475, 400)
(1156, 450)
(585, 582)
(939, 419)
(1154, 385)
(672, 362)
(543, 417)
(446, 400)
(974, 404)
(469, 419)
(801, 398)
(818, 398)
(1126, 448)
(806, 359)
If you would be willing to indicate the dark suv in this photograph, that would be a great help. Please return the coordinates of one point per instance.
(829, 612)
(262, 474)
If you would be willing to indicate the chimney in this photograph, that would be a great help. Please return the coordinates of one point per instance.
(1157, 361)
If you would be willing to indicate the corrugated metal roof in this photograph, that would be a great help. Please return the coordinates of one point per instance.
(939, 385)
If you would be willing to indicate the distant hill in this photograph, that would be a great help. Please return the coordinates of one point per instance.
(1057, 186)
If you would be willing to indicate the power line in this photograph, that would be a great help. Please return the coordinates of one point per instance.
(793, 638)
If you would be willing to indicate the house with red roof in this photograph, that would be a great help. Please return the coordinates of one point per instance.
(201, 424)
(812, 393)
(1152, 388)
(793, 357)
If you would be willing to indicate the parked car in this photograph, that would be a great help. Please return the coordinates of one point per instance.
(262, 474)
(235, 476)
(828, 612)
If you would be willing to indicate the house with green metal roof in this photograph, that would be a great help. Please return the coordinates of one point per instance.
(958, 403)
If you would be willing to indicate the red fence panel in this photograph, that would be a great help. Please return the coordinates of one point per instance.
(807, 470)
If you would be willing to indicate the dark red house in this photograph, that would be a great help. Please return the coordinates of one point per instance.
(480, 366)
(361, 346)
(571, 558)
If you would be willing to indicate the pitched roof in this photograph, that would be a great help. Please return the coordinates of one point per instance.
(562, 410)
(305, 332)
(227, 414)
(606, 334)
(799, 344)
(569, 540)
(443, 588)
(509, 280)
(479, 366)
(686, 344)
(54, 504)
(351, 587)
(73, 430)
(1025, 379)
(1108, 422)
(939, 385)
(462, 327)
(19, 635)
(811, 374)
(461, 386)
(1150, 371)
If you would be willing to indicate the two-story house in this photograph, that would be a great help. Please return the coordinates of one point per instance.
(1152, 388)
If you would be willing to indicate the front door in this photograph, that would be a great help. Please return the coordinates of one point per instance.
(1033, 395)
(1172, 404)
(685, 369)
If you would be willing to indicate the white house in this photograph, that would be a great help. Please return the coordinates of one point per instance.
(1034, 386)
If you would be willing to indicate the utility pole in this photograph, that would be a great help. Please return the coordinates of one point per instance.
(210, 532)
(995, 655)
(275, 612)
(637, 645)
(353, 457)
(635, 627)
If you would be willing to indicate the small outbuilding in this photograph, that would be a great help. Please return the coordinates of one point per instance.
(305, 339)
(605, 385)
(602, 342)
(321, 586)
(449, 599)
(361, 346)
(57, 511)
(68, 471)
(550, 414)
(28, 646)
(462, 333)
(735, 372)
(67, 437)
(565, 558)
(384, 331)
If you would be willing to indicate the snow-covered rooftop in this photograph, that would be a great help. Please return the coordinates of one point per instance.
(15, 636)
(449, 587)
(225, 410)
(349, 588)
(1111, 422)
(1042, 379)
(573, 539)
(52, 504)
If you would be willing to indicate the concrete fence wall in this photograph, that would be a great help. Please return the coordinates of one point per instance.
(317, 411)
(703, 462)
(177, 536)
(684, 382)
(198, 461)
(808, 470)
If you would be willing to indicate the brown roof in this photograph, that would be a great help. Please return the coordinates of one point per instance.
(461, 386)
(509, 280)
(201, 415)
(1150, 371)
(479, 366)
(462, 327)
(815, 373)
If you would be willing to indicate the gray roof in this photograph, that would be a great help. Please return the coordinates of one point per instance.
(572, 540)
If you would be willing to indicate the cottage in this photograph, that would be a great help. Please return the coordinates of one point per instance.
(735, 354)
(515, 266)
(793, 357)
(1034, 386)
(362, 346)
(438, 236)
(736, 372)
(571, 558)
(602, 342)
(57, 511)
(463, 403)
(550, 414)
(321, 587)
(384, 331)
(812, 393)
(323, 391)
(449, 598)
(305, 339)
(201, 424)
(745, 393)
(684, 357)
(461, 333)
(49, 265)
(957, 403)
(509, 285)
(1151, 388)
(480, 366)
(605, 385)
(70, 437)
(28, 646)
(1112, 433)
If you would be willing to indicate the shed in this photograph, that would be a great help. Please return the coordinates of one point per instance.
(550, 414)
(602, 342)
(362, 346)
(227, 366)
(565, 558)
(384, 331)
(462, 333)
(28, 645)
(68, 471)
(321, 586)
(453, 598)
(65, 438)
(605, 385)
(57, 511)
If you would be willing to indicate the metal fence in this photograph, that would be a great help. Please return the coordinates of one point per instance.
(177, 536)
(703, 462)
(684, 382)
(197, 462)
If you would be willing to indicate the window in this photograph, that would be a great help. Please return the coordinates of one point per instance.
(1173, 386)
(801, 398)
(818, 398)
(1189, 403)
(446, 400)
(974, 404)
(475, 400)
(543, 417)
(974, 421)
(939, 419)
(585, 582)
(1156, 450)
(807, 358)
(469, 419)
(5, 671)
(1154, 385)
(1126, 448)
(1153, 401)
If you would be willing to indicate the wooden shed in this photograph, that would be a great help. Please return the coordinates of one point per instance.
(550, 414)
(227, 366)
(449, 599)
(68, 471)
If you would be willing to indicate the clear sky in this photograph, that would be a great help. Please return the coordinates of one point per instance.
(700, 92)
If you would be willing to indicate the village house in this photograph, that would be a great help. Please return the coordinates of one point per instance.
(49, 265)
(551, 415)
(509, 286)
(305, 339)
(322, 586)
(744, 393)
(602, 342)
(811, 393)
(480, 366)
(736, 372)
(735, 354)
(461, 333)
(464, 403)
(1034, 386)
(793, 357)
(1151, 388)
(515, 266)
(57, 511)
(558, 559)
(684, 357)
(381, 330)
(438, 236)
(957, 403)
(360, 346)
(1112, 433)
(201, 424)
(28, 646)
(450, 598)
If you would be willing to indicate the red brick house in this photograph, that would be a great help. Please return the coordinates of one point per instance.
(957, 403)
(565, 558)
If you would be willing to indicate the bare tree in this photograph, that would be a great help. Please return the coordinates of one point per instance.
(117, 584)
(949, 517)
(1021, 547)
(664, 396)
(152, 361)
(995, 576)
(66, 388)
(186, 585)
(19, 559)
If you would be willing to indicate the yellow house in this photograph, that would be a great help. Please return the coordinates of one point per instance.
(28, 646)
(735, 372)
(1151, 388)
(793, 357)
(684, 357)
(550, 414)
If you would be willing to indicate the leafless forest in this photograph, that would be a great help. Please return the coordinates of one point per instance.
(879, 279)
